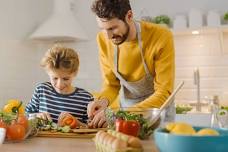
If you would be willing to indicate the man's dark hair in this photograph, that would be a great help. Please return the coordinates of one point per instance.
(109, 9)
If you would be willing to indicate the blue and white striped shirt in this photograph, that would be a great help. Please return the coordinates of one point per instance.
(46, 99)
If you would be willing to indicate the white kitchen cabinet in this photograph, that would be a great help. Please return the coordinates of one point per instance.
(220, 32)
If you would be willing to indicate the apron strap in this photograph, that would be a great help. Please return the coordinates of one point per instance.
(116, 51)
(116, 65)
(139, 37)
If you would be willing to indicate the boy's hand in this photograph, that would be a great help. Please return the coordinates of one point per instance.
(44, 116)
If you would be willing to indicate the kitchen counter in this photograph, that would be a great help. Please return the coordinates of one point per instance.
(42, 144)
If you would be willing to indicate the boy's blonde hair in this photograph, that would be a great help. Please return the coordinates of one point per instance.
(59, 57)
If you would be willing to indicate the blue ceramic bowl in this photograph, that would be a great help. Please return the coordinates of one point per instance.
(167, 142)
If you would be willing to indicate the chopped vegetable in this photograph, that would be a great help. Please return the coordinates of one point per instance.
(46, 125)
(66, 119)
(65, 129)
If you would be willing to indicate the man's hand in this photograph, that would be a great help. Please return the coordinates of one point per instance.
(95, 107)
(99, 120)
(95, 111)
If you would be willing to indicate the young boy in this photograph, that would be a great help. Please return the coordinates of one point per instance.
(50, 99)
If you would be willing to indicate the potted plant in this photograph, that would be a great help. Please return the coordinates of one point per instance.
(225, 17)
(162, 19)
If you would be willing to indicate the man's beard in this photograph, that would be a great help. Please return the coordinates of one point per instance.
(117, 39)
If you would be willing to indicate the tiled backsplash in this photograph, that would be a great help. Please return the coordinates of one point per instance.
(203, 52)
(21, 67)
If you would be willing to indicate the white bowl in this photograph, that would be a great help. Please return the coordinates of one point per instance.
(2, 135)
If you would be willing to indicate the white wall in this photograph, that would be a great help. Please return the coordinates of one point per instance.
(19, 57)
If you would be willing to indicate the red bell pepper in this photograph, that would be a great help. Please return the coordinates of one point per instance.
(129, 127)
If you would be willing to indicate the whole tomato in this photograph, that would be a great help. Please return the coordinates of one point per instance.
(22, 120)
(15, 131)
(129, 127)
(2, 124)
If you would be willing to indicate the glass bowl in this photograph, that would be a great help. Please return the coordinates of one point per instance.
(19, 130)
(142, 115)
(222, 117)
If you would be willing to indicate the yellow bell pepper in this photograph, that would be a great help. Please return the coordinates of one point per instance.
(14, 106)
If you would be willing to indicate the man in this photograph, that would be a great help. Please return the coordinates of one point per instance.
(137, 60)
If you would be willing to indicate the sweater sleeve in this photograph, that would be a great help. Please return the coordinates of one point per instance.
(164, 74)
(111, 85)
(33, 105)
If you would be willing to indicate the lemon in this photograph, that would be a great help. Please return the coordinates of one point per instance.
(180, 128)
(170, 126)
(207, 132)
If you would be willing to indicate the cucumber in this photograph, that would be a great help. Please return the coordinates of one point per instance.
(65, 129)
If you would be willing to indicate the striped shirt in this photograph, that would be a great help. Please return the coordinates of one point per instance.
(46, 99)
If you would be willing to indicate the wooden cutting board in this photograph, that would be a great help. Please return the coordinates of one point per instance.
(77, 133)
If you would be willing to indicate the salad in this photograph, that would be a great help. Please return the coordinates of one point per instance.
(145, 129)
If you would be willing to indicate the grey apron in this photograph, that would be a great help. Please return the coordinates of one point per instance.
(133, 92)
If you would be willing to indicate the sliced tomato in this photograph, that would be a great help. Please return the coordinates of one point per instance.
(67, 119)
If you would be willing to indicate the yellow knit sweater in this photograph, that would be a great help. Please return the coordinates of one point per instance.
(157, 43)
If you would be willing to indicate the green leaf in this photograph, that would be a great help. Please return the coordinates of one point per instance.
(162, 19)
(225, 16)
